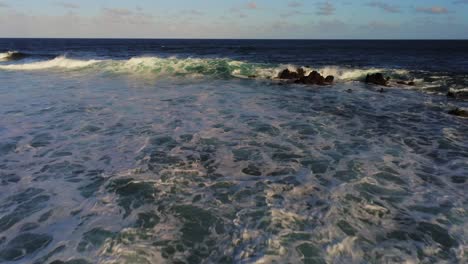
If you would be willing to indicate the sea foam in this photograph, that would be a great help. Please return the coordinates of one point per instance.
(210, 67)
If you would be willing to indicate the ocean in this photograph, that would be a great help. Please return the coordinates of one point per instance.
(193, 151)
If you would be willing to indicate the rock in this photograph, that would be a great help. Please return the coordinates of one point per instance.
(377, 78)
(313, 78)
(300, 72)
(458, 94)
(288, 75)
(458, 112)
(252, 76)
(411, 83)
(300, 77)
(291, 75)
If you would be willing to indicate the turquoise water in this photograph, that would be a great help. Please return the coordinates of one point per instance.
(104, 168)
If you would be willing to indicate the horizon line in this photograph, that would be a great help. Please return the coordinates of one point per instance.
(293, 39)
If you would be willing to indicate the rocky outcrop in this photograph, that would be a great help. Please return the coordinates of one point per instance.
(458, 112)
(377, 78)
(300, 77)
(291, 75)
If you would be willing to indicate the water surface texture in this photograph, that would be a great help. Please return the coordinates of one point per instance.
(189, 151)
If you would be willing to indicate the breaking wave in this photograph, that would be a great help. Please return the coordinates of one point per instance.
(172, 66)
(57, 63)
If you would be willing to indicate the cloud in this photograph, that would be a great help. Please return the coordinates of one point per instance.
(294, 4)
(326, 9)
(67, 5)
(252, 5)
(435, 10)
(384, 6)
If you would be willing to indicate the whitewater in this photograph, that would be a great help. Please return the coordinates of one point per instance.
(177, 151)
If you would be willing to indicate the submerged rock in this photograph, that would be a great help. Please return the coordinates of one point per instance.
(458, 112)
(377, 78)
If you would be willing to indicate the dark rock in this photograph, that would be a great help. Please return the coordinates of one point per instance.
(252, 76)
(288, 75)
(411, 83)
(300, 72)
(299, 76)
(349, 90)
(458, 112)
(313, 78)
(377, 78)
(401, 82)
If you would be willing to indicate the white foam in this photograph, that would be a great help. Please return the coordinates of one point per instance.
(458, 90)
(196, 66)
(59, 62)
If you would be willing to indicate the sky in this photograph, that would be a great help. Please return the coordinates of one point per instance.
(270, 19)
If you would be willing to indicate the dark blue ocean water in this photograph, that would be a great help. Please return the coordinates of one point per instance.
(431, 55)
(192, 151)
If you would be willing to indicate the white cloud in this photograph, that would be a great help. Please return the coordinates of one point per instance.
(326, 9)
(436, 10)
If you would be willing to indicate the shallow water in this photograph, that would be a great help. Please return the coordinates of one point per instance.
(104, 168)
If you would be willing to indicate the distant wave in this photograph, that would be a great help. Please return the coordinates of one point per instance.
(12, 55)
(57, 63)
(216, 67)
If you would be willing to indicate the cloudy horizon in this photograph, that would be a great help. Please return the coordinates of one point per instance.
(339, 19)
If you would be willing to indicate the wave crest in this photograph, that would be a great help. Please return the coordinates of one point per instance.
(173, 66)
(57, 63)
